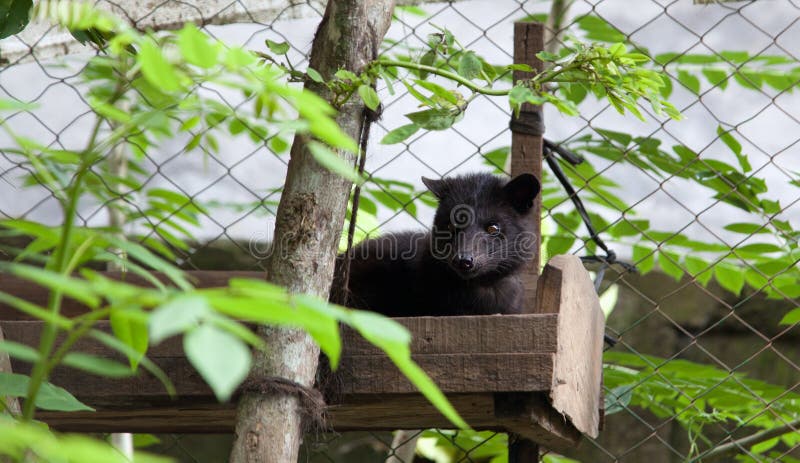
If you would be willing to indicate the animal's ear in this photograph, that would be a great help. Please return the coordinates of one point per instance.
(521, 191)
(437, 187)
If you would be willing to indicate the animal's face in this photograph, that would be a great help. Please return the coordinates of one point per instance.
(482, 226)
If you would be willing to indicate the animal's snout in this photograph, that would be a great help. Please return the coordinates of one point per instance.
(464, 262)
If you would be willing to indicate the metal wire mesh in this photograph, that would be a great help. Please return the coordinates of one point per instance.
(237, 187)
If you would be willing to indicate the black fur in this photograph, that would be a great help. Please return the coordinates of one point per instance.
(464, 265)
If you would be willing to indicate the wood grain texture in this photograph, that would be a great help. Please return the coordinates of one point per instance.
(526, 158)
(518, 359)
(378, 412)
(529, 333)
(526, 150)
(576, 392)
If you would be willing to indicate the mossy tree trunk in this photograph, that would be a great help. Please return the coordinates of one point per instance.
(310, 218)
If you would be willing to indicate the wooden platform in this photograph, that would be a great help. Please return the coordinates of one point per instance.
(537, 375)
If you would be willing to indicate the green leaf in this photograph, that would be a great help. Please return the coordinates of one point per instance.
(322, 325)
(176, 316)
(72, 287)
(598, 29)
(8, 104)
(331, 161)
(559, 244)
(470, 65)
(279, 48)
(433, 119)
(14, 16)
(19, 351)
(369, 96)
(689, 81)
(155, 67)
(35, 311)
(50, 397)
(760, 248)
(399, 134)
(222, 359)
(747, 228)
(618, 398)
(428, 59)
(735, 146)
(141, 441)
(730, 277)
(149, 259)
(699, 269)
(314, 75)
(716, 77)
(668, 261)
(496, 158)
(97, 365)
(131, 330)
(643, 258)
(196, 48)
(109, 111)
(791, 318)
(439, 91)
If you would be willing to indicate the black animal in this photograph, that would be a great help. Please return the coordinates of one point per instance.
(467, 264)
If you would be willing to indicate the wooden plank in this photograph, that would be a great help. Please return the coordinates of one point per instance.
(358, 412)
(527, 333)
(370, 372)
(526, 149)
(566, 285)
(379, 412)
(451, 372)
(531, 416)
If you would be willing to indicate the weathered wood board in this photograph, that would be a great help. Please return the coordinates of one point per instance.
(576, 391)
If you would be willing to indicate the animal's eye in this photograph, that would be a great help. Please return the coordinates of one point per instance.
(492, 229)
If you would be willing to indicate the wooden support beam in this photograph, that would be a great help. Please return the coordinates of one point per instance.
(526, 138)
(526, 157)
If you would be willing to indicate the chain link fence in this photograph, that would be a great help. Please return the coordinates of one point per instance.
(711, 202)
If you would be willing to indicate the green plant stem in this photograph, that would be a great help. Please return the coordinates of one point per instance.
(50, 330)
(446, 74)
(733, 447)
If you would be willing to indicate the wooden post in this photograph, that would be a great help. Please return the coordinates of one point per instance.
(526, 138)
(269, 426)
(526, 157)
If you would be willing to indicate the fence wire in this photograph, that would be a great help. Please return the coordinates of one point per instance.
(733, 68)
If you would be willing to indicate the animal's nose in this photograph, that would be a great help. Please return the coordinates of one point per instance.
(464, 262)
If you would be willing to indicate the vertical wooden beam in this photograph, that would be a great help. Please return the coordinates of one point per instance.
(527, 130)
(526, 138)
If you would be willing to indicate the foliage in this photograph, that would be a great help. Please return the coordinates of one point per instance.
(698, 395)
(143, 89)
